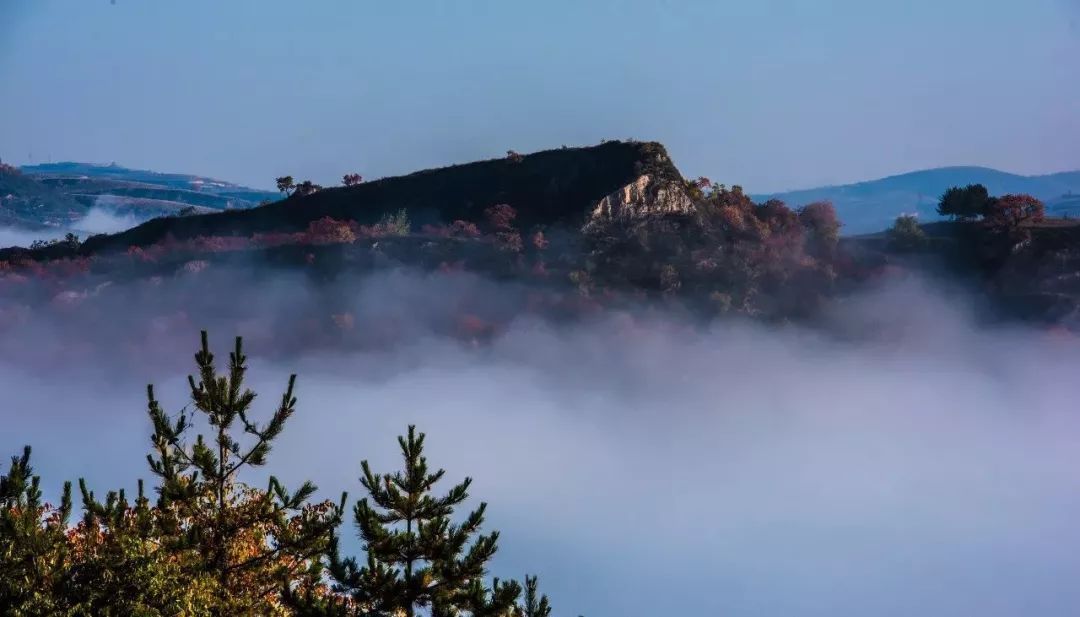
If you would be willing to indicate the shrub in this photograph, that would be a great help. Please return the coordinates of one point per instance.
(776, 215)
(906, 234)
(669, 279)
(330, 231)
(822, 226)
(509, 241)
(307, 187)
(465, 229)
(500, 217)
(396, 224)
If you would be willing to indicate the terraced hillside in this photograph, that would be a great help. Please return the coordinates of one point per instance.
(26, 202)
(145, 194)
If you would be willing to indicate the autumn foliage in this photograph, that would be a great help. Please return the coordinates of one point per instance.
(765, 259)
(207, 543)
(730, 254)
(1011, 211)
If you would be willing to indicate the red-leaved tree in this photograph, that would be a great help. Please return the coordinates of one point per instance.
(1010, 211)
(500, 217)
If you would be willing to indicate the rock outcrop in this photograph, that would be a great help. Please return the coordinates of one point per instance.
(643, 198)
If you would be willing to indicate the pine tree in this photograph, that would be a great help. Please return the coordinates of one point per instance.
(416, 558)
(214, 546)
(426, 563)
(535, 606)
(33, 546)
(248, 540)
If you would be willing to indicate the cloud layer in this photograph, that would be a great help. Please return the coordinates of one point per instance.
(646, 466)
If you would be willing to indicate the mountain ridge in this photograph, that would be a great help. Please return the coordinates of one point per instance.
(864, 206)
(557, 186)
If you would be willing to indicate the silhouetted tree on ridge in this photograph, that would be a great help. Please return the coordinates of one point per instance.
(285, 184)
(964, 203)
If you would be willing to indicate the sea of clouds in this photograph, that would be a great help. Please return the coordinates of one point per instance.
(648, 466)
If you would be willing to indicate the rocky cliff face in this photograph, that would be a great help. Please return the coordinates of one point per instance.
(644, 198)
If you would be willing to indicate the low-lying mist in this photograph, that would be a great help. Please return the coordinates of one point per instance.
(98, 220)
(648, 466)
(102, 220)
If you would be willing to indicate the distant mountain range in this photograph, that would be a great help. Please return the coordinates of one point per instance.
(59, 194)
(873, 205)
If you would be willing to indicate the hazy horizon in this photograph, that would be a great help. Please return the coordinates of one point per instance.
(774, 96)
(270, 187)
(676, 400)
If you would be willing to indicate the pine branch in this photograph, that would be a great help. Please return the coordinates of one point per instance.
(257, 454)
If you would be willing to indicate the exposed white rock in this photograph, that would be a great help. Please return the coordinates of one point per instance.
(642, 198)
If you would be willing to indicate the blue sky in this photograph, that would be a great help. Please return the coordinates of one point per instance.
(770, 94)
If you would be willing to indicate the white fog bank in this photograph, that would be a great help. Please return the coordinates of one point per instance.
(647, 469)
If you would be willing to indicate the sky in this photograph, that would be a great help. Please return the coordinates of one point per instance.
(769, 94)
